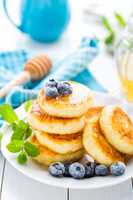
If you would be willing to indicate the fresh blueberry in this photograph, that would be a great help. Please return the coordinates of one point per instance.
(77, 170)
(93, 42)
(57, 169)
(64, 88)
(101, 170)
(118, 168)
(93, 165)
(89, 171)
(66, 173)
(51, 92)
(51, 83)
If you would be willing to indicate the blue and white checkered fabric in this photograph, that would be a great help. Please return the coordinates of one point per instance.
(13, 60)
(73, 67)
(11, 63)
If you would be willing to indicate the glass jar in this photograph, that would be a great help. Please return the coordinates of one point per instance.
(124, 58)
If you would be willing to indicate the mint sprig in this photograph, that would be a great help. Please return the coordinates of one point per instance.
(21, 132)
(112, 35)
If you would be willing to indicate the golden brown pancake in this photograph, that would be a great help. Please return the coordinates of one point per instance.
(43, 122)
(60, 143)
(46, 156)
(93, 112)
(95, 143)
(73, 105)
(117, 128)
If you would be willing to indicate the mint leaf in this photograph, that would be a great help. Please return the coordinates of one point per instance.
(15, 146)
(8, 114)
(31, 150)
(27, 105)
(106, 24)
(22, 158)
(23, 125)
(21, 130)
(120, 20)
(28, 133)
(109, 39)
(18, 132)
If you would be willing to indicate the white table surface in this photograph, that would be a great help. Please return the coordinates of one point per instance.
(15, 186)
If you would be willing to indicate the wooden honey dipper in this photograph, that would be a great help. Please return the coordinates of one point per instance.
(35, 69)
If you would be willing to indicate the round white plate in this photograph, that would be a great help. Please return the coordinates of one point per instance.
(34, 171)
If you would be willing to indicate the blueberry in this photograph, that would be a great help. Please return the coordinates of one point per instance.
(51, 83)
(118, 168)
(57, 169)
(66, 173)
(51, 92)
(89, 172)
(90, 169)
(77, 170)
(64, 88)
(101, 170)
(93, 165)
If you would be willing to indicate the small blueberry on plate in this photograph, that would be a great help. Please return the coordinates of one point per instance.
(77, 170)
(51, 83)
(51, 92)
(89, 170)
(64, 88)
(66, 173)
(101, 170)
(57, 169)
(118, 168)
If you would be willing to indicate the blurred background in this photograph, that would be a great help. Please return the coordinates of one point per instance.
(81, 23)
(56, 28)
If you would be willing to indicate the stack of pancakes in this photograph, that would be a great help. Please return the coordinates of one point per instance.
(108, 134)
(58, 124)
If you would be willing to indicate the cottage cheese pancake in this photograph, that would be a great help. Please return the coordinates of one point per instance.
(60, 143)
(93, 112)
(46, 156)
(96, 144)
(73, 105)
(43, 122)
(117, 128)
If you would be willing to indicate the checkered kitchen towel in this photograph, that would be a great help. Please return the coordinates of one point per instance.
(73, 67)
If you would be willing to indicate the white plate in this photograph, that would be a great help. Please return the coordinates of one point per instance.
(34, 171)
